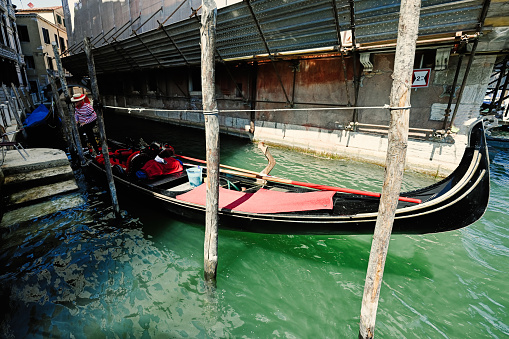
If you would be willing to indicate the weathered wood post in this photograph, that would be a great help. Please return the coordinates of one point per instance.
(21, 105)
(28, 96)
(62, 114)
(3, 110)
(208, 42)
(24, 98)
(72, 133)
(14, 111)
(8, 114)
(395, 161)
(100, 123)
(8, 97)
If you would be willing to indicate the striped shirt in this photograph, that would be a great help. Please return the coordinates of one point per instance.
(85, 114)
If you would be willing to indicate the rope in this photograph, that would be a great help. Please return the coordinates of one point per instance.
(215, 112)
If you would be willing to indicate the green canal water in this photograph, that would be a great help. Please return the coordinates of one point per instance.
(82, 274)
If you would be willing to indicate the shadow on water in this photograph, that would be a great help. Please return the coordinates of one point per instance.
(351, 252)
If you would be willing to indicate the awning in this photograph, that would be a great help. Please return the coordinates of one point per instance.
(268, 27)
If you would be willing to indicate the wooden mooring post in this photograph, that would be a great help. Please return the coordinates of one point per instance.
(395, 161)
(61, 112)
(100, 124)
(208, 42)
(21, 105)
(71, 132)
(24, 100)
(28, 98)
(12, 107)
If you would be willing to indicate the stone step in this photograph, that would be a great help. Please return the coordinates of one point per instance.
(34, 194)
(42, 209)
(39, 158)
(19, 181)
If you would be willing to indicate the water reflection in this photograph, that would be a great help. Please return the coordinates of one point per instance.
(92, 277)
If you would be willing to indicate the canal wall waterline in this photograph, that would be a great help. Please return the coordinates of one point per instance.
(436, 158)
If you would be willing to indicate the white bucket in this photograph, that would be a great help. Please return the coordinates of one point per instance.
(194, 175)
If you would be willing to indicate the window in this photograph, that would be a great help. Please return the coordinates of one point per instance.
(424, 59)
(152, 83)
(56, 39)
(59, 19)
(62, 44)
(196, 80)
(238, 90)
(45, 34)
(50, 63)
(23, 33)
(136, 82)
(34, 88)
(29, 60)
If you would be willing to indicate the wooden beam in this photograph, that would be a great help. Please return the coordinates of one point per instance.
(100, 123)
(13, 109)
(208, 42)
(62, 113)
(395, 162)
(21, 105)
(70, 127)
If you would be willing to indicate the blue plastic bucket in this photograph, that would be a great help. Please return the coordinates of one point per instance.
(194, 175)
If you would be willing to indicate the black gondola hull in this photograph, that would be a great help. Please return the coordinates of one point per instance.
(453, 203)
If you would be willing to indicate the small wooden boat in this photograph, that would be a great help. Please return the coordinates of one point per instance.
(275, 205)
(498, 137)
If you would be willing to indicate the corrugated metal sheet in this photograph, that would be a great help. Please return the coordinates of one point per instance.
(285, 25)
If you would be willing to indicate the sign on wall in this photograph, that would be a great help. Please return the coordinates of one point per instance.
(420, 77)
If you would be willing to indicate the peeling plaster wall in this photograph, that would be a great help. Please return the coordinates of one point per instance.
(429, 103)
(475, 88)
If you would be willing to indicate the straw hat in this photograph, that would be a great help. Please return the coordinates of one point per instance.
(77, 97)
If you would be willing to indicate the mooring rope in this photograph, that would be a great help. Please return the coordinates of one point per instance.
(260, 110)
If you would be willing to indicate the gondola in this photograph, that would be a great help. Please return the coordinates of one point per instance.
(42, 128)
(274, 206)
(41, 117)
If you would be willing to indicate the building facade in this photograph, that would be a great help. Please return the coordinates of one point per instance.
(11, 56)
(38, 28)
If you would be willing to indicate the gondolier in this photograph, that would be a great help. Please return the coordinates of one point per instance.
(85, 118)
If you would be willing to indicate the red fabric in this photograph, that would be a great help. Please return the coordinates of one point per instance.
(123, 153)
(131, 157)
(155, 169)
(263, 201)
(100, 159)
(116, 158)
